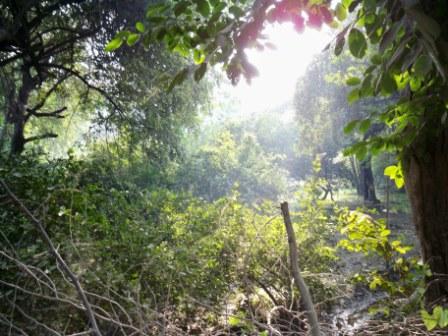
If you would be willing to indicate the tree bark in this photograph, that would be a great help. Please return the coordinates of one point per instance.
(425, 166)
(17, 112)
(367, 182)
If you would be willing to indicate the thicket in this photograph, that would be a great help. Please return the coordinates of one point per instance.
(172, 234)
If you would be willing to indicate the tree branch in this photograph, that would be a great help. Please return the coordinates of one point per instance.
(54, 114)
(84, 80)
(40, 137)
(48, 94)
(89, 312)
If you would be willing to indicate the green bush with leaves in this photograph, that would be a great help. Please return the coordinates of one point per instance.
(402, 276)
(146, 250)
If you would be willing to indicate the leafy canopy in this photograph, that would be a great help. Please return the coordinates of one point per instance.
(409, 54)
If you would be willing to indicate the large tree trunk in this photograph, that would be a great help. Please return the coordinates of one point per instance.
(425, 166)
(367, 183)
(17, 112)
(18, 137)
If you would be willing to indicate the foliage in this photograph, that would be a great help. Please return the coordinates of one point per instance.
(410, 59)
(218, 32)
(403, 275)
(165, 249)
(316, 227)
(232, 158)
(395, 173)
(438, 318)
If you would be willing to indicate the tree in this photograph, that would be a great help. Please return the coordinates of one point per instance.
(322, 111)
(48, 48)
(232, 158)
(38, 44)
(412, 58)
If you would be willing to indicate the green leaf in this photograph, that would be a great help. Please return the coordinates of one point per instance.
(114, 44)
(200, 72)
(395, 173)
(437, 312)
(236, 11)
(352, 81)
(198, 56)
(132, 39)
(415, 84)
(422, 66)
(376, 59)
(234, 321)
(180, 7)
(385, 233)
(339, 46)
(350, 126)
(429, 321)
(366, 87)
(357, 43)
(369, 4)
(155, 9)
(443, 319)
(203, 7)
(341, 12)
(178, 79)
(353, 96)
(399, 182)
(390, 171)
(140, 27)
(361, 152)
(388, 84)
(346, 3)
(388, 37)
(364, 125)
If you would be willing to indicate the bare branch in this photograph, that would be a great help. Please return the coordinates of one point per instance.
(89, 312)
(54, 114)
(8, 323)
(47, 95)
(40, 137)
(84, 80)
(33, 320)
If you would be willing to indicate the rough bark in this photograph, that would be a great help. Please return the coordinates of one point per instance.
(425, 166)
(17, 112)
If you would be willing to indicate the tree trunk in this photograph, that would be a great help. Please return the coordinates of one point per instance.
(18, 137)
(367, 183)
(17, 112)
(425, 166)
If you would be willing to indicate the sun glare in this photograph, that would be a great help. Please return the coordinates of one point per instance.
(279, 68)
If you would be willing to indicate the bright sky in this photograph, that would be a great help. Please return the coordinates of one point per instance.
(279, 69)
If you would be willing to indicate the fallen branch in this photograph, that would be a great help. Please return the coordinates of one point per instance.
(89, 312)
(298, 279)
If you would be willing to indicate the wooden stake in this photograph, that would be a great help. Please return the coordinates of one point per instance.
(298, 279)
